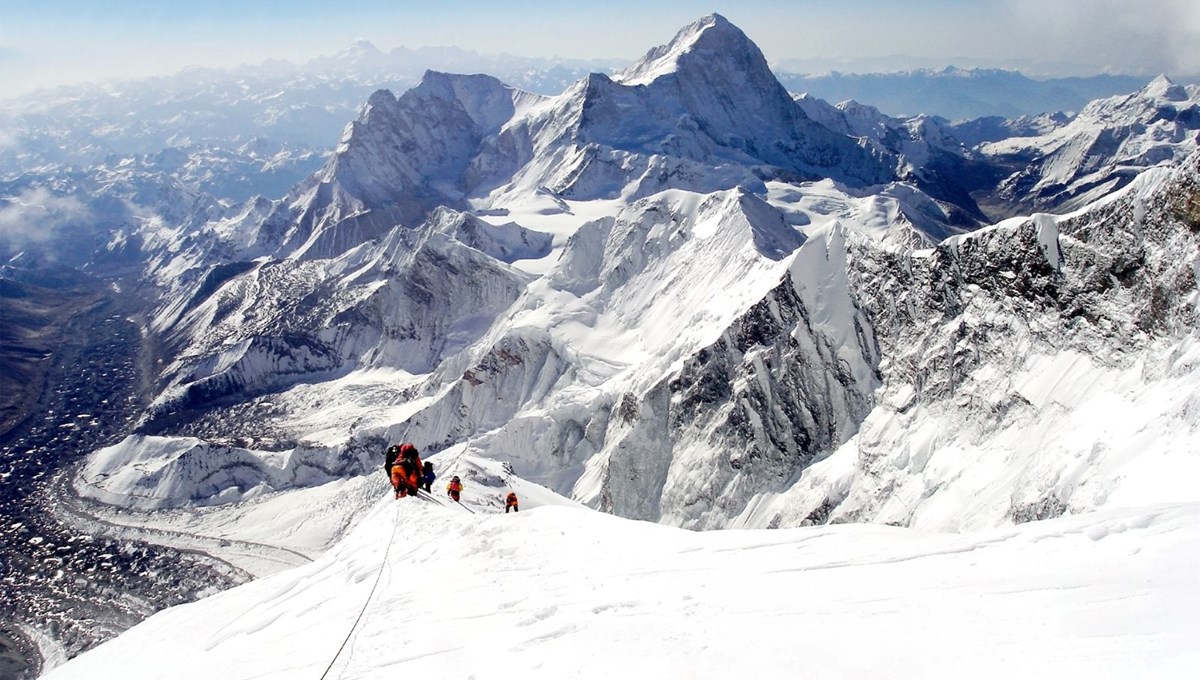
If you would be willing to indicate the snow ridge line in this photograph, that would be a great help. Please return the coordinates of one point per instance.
(370, 595)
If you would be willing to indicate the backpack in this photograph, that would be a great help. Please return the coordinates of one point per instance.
(390, 456)
(407, 466)
(409, 452)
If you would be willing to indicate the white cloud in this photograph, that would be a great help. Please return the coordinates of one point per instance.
(1150, 36)
(8, 138)
(1040, 37)
(36, 216)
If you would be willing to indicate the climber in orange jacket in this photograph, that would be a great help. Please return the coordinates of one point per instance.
(511, 502)
(406, 471)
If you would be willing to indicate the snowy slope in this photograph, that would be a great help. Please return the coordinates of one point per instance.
(426, 588)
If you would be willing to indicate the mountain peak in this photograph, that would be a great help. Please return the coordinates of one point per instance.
(381, 97)
(707, 22)
(363, 45)
(361, 51)
(710, 34)
(723, 99)
(1163, 87)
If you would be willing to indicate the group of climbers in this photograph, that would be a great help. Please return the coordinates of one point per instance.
(403, 464)
(409, 475)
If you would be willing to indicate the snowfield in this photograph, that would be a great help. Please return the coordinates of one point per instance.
(426, 588)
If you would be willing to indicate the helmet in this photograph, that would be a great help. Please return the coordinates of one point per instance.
(454, 478)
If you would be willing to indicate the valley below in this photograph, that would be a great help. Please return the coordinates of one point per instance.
(80, 392)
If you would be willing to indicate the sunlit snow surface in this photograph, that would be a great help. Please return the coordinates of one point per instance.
(557, 591)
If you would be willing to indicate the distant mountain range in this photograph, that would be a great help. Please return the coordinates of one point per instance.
(961, 94)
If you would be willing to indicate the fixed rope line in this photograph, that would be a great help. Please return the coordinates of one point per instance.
(395, 523)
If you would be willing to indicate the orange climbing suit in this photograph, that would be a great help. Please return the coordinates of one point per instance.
(406, 480)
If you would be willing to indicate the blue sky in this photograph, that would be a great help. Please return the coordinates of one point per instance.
(55, 41)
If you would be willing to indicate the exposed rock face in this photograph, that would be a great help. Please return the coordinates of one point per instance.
(966, 431)
(747, 414)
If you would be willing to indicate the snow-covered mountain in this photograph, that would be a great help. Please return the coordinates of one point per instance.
(722, 103)
(227, 134)
(1102, 148)
(683, 299)
(679, 294)
(703, 112)
(402, 158)
(928, 151)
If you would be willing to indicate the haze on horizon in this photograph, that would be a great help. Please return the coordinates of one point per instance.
(56, 42)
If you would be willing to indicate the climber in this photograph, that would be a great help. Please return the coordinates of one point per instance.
(454, 488)
(406, 471)
(389, 458)
(427, 477)
(511, 502)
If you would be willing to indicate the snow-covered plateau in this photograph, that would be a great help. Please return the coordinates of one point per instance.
(934, 387)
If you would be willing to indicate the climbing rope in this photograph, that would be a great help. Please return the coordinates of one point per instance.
(370, 596)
